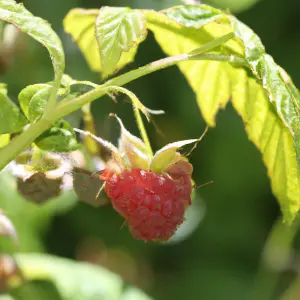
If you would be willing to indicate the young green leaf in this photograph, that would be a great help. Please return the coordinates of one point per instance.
(118, 30)
(80, 23)
(39, 29)
(26, 95)
(267, 100)
(59, 138)
(11, 119)
(38, 103)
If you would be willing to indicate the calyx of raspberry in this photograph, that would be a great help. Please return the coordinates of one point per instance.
(134, 154)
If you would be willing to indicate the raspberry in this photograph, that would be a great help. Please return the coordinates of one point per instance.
(153, 204)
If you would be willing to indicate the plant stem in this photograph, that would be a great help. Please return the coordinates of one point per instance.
(67, 108)
(142, 129)
(23, 141)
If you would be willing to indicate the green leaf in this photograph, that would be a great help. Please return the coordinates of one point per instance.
(38, 103)
(174, 38)
(261, 92)
(75, 280)
(37, 28)
(11, 119)
(26, 95)
(80, 23)
(118, 30)
(122, 29)
(4, 139)
(37, 289)
(59, 138)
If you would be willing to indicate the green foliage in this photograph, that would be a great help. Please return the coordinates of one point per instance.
(215, 82)
(60, 137)
(260, 91)
(77, 281)
(118, 30)
(11, 119)
(112, 43)
(30, 92)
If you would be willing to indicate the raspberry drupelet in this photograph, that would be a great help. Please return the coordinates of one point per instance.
(152, 204)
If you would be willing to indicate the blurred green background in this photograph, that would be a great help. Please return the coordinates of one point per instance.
(218, 254)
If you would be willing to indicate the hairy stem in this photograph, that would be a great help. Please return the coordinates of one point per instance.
(23, 141)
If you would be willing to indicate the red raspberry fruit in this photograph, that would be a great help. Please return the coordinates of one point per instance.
(152, 204)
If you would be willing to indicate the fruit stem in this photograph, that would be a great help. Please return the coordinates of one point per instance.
(142, 129)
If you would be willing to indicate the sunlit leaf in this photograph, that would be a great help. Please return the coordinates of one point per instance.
(39, 29)
(262, 94)
(4, 139)
(81, 24)
(11, 119)
(118, 30)
(176, 39)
